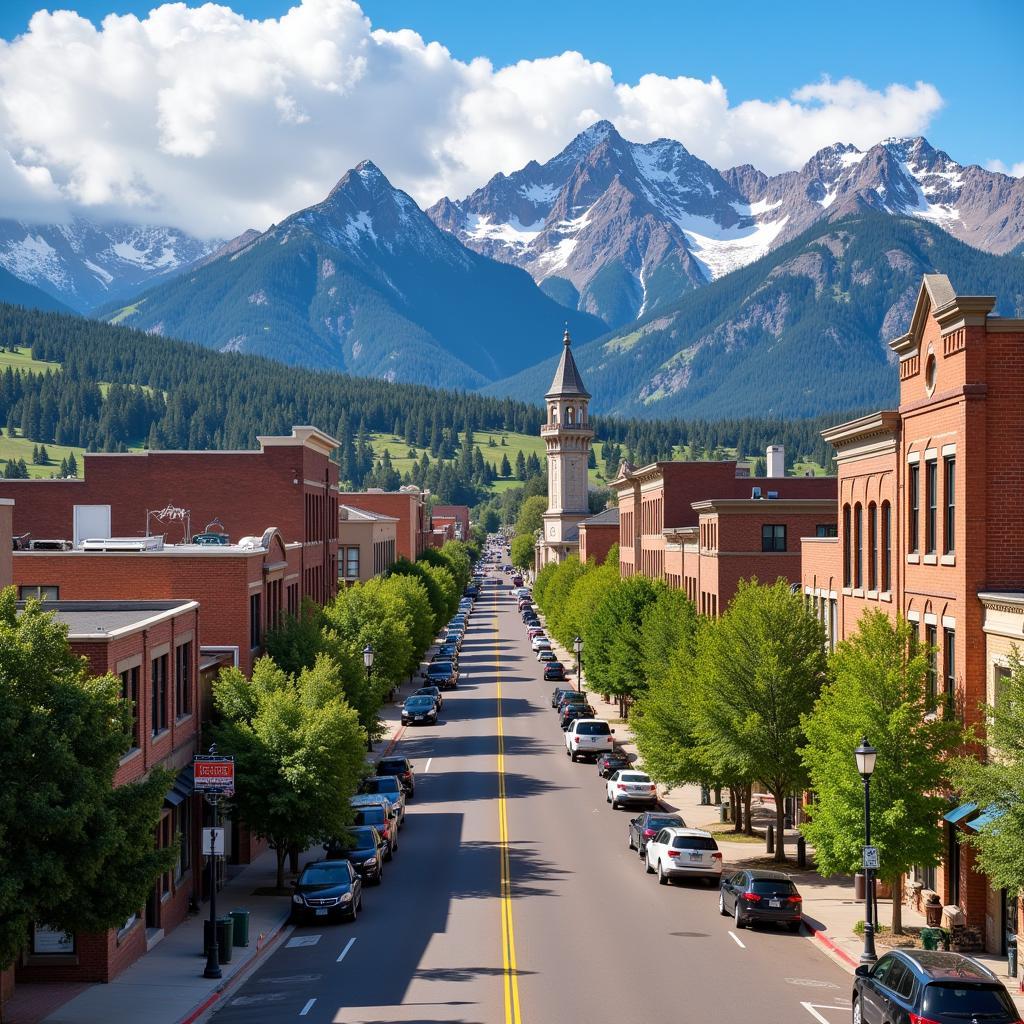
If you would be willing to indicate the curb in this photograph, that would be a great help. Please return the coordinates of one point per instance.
(235, 978)
(831, 950)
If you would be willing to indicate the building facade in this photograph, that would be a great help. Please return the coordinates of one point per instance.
(457, 515)
(567, 437)
(599, 534)
(408, 505)
(367, 543)
(931, 528)
(6, 541)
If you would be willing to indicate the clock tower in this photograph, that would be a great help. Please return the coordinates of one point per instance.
(567, 436)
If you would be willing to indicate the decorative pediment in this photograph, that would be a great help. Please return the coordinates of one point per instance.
(937, 299)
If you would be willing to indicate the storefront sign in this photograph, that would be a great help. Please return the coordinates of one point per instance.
(214, 775)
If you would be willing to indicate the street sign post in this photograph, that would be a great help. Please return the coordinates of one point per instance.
(213, 842)
(214, 778)
(870, 858)
(214, 775)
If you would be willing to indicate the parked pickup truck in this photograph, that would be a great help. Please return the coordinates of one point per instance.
(588, 737)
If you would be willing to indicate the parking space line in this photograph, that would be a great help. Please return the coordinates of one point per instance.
(735, 938)
(344, 952)
(426, 767)
(307, 1008)
(812, 1009)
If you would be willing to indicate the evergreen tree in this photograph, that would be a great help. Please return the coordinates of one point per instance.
(506, 467)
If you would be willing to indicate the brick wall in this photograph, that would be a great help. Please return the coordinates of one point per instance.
(597, 540)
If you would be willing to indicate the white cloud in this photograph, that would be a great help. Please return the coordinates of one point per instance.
(1014, 170)
(202, 118)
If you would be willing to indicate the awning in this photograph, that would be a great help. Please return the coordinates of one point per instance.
(958, 814)
(182, 789)
(991, 813)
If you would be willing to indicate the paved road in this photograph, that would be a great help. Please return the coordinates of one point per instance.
(514, 897)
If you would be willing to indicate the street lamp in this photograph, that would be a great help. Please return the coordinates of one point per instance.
(577, 646)
(866, 756)
(368, 653)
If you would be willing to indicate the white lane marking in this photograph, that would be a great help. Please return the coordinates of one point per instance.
(735, 938)
(309, 1006)
(812, 1009)
(427, 766)
(344, 952)
(303, 940)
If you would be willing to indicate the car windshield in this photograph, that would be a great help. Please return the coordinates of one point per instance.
(419, 702)
(440, 668)
(425, 691)
(666, 822)
(768, 886)
(967, 1001)
(370, 816)
(392, 765)
(634, 777)
(592, 729)
(382, 785)
(694, 843)
(356, 838)
(324, 874)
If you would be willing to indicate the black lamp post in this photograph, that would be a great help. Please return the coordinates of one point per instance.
(368, 653)
(866, 756)
(577, 646)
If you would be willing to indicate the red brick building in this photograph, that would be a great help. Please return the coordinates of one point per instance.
(599, 534)
(458, 515)
(153, 646)
(6, 540)
(289, 482)
(931, 527)
(409, 505)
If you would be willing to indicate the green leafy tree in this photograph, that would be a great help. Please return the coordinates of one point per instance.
(531, 515)
(879, 691)
(298, 750)
(411, 595)
(559, 621)
(523, 550)
(75, 853)
(460, 564)
(760, 667)
(586, 595)
(997, 784)
(296, 642)
(541, 584)
(435, 596)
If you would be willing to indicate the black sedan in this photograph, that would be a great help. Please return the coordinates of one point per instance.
(755, 897)
(363, 848)
(327, 889)
(447, 652)
(442, 674)
(420, 710)
(570, 712)
(647, 825)
(608, 764)
(930, 986)
(430, 691)
(554, 671)
(558, 692)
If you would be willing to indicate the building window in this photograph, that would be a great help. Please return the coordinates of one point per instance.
(949, 666)
(949, 527)
(130, 693)
(773, 537)
(826, 530)
(38, 593)
(931, 480)
(183, 680)
(352, 563)
(858, 546)
(293, 599)
(158, 681)
(872, 546)
(914, 485)
(886, 546)
(847, 577)
(931, 639)
(255, 621)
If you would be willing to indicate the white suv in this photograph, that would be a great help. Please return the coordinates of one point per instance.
(588, 737)
(678, 852)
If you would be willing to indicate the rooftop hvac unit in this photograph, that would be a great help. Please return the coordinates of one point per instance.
(153, 543)
(49, 545)
(755, 492)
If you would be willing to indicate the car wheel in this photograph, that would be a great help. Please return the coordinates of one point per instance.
(738, 917)
(721, 904)
(647, 866)
(641, 851)
(662, 877)
(615, 804)
(354, 912)
(857, 1018)
(389, 854)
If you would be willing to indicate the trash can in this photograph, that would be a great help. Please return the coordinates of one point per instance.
(225, 939)
(241, 923)
(933, 912)
(723, 812)
(930, 938)
(859, 887)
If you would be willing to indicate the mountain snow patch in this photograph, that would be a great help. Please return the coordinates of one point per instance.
(360, 224)
(538, 194)
(513, 233)
(720, 250)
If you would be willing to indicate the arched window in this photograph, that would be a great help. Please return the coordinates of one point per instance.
(846, 546)
(554, 415)
(858, 546)
(570, 415)
(886, 545)
(872, 546)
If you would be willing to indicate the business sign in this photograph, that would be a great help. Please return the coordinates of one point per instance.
(214, 775)
(213, 842)
(870, 860)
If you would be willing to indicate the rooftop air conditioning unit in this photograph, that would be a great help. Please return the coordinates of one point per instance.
(151, 543)
(50, 545)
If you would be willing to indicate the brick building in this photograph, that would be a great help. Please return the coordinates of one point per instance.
(6, 541)
(408, 505)
(289, 481)
(153, 647)
(599, 534)
(931, 527)
(367, 543)
(457, 515)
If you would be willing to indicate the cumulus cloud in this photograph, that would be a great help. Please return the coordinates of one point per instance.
(207, 120)
(1014, 170)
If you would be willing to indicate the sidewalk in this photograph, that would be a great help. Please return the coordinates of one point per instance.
(830, 910)
(169, 980)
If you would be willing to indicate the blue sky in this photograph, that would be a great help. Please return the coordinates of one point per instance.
(754, 51)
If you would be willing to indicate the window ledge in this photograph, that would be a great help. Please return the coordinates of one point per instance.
(159, 735)
(847, 592)
(873, 595)
(949, 559)
(183, 718)
(885, 595)
(913, 559)
(133, 753)
(857, 592)
(930, 560)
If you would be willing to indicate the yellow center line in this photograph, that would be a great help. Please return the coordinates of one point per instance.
(508, 936)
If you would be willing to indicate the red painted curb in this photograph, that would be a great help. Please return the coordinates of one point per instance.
(831, 946)
(393, 742)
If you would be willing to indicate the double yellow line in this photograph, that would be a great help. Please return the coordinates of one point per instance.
(508, 936)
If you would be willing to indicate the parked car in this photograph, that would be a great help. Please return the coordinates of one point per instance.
(534, 631)
(755, 896)
(517, 581)
(443, 674)
(571, 711)
(588, 737)
(449, 652)
(363, 847)
(931, 987)
(430, 691)
(570, 697)
(547, 656)
(453, 636)
(682, 853)
(327, 889)
(419, 709)
(612, 761)
(390, 787)
(540, 643)
(558, 692)
(401, 768)
(379, 811)
(627, 786)
(646, 826)
(554, 671)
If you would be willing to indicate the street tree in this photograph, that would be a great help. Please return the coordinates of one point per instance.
(586, 594)
(878, 690)
(531, 514)
(298, 749)
(435, 596)
(570, 572)
(296, 642)
(522, 550)
(76, 854)
(759, 668)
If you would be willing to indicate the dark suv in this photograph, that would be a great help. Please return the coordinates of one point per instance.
(402, 767)
(932, 986)
(442, 674)
(753, 897)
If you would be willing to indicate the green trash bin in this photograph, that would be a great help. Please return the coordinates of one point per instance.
(225, 939)
(241, 920)
(931, 937)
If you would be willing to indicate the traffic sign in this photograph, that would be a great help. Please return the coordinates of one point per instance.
(213, 842)
(870, 858)
(214, 775)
